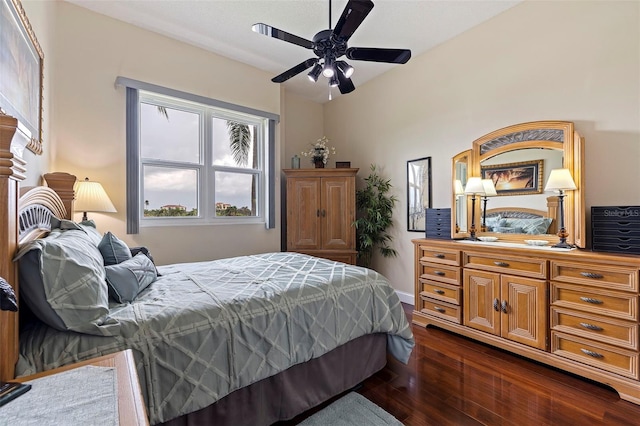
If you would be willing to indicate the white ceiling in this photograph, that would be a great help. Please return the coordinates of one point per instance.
(224, 27)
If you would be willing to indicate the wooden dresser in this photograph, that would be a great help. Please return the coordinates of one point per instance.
(321, 209)
(575, 310)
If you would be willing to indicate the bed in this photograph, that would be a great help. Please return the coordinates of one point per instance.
(246, 340)
(521, 220)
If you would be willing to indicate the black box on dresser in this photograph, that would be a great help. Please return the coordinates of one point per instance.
(615, 229)
(438, 223)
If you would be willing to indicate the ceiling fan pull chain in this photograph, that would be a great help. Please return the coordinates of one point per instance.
(329, 14)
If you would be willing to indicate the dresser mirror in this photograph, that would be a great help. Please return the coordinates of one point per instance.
(518, 160)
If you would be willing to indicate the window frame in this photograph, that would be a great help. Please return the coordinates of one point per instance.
(266, 158)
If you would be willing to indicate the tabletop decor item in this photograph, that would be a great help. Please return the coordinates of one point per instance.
(319, 152)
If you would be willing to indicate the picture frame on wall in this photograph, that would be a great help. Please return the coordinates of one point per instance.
(418, 193)
(519, 178)
(21, 72)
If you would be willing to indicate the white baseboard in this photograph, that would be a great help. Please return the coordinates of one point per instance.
(406, 297)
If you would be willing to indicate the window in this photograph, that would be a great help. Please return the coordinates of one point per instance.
(191, 162)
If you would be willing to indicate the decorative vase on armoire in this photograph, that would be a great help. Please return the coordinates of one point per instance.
(319, 164)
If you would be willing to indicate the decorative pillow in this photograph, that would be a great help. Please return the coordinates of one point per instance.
(493, 222)
(537, 225)
(62, 279)
(113, 249)
(127, 279)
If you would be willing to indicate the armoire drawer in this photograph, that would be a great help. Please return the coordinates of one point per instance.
(442, 273)
(443, 292)
(611, 277)
(439, 255)
(616, 360)
(442, 310)
(604, 329)
(523, 266)
(598, 301)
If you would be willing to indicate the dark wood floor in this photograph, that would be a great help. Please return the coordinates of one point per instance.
(451, 380)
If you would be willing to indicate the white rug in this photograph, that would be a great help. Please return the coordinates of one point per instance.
(352, 409)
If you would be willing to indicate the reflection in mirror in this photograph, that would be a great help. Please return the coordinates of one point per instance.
(460, 168)
(520, 195)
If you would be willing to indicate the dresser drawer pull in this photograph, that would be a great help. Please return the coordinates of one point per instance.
(438, 291)
(439, 255)
(591, 326)
(592, 300)
(592, 275)
(439, 273)
(591, 353)
(504, 306)
(503, 264)
(439, 309)
(496, 305)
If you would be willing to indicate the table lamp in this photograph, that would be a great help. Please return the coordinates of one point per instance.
(91, 197)
(489, 191)
(560, 180)
(458, 191)
(474, 187)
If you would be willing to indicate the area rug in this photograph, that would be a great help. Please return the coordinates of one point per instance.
(352, 409)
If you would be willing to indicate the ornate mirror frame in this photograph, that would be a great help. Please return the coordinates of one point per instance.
(555, 135)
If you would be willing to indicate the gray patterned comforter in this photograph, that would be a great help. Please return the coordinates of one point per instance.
(203, 330)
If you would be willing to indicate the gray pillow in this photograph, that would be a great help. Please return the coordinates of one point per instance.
(537, 225)
(113, 249)
(127, 279)
(62, 278)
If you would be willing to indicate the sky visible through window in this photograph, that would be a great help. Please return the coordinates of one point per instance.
(177, 139)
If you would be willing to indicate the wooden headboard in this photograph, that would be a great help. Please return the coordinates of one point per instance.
(23, 217)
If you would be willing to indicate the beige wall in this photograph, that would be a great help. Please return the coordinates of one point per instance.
(87, 114)
(573, 61)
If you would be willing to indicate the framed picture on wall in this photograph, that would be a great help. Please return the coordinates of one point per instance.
(418, 192)
(21, 73)
(520, 178)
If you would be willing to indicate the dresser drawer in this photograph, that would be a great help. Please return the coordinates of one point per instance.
(523, 266)
(616, 360)
(443, 292)
(618, 277)
(607, 330)
(595, 300)
(439, 255)
(439, 309)
(442, 273)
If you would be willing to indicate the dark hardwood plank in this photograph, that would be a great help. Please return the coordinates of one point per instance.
(452, 380)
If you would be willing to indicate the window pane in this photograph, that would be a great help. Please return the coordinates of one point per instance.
(170, 192)
(241, 152)
(174, 136)
(235, 194)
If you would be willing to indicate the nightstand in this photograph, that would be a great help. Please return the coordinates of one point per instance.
(131, 408)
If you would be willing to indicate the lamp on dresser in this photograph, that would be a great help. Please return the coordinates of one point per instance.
(489, 191)
(459, 191)
(474, 187)
(91, 197)
(560, 180)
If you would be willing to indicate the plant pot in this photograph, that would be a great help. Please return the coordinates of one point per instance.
(319, 164)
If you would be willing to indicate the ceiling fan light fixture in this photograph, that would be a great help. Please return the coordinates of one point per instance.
(333, 81)
(328, 70)
(315, 72)
(345, 68)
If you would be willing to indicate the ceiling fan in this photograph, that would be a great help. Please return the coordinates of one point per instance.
(330, 45)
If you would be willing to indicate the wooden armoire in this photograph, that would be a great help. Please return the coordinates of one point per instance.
(321, 209)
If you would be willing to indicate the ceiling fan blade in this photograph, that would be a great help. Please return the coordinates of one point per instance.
(345, 84)
(394, 56)
(270, 31)
(294, 71)
(352, 16)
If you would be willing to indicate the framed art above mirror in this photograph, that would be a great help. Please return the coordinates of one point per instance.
(518, 161)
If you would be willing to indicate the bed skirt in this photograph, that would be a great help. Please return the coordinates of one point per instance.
(297, 389)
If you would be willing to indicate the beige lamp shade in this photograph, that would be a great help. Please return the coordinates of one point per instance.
(560, 180)
(459, 190)
(489, 188)
(91, 197)
(474, 186)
